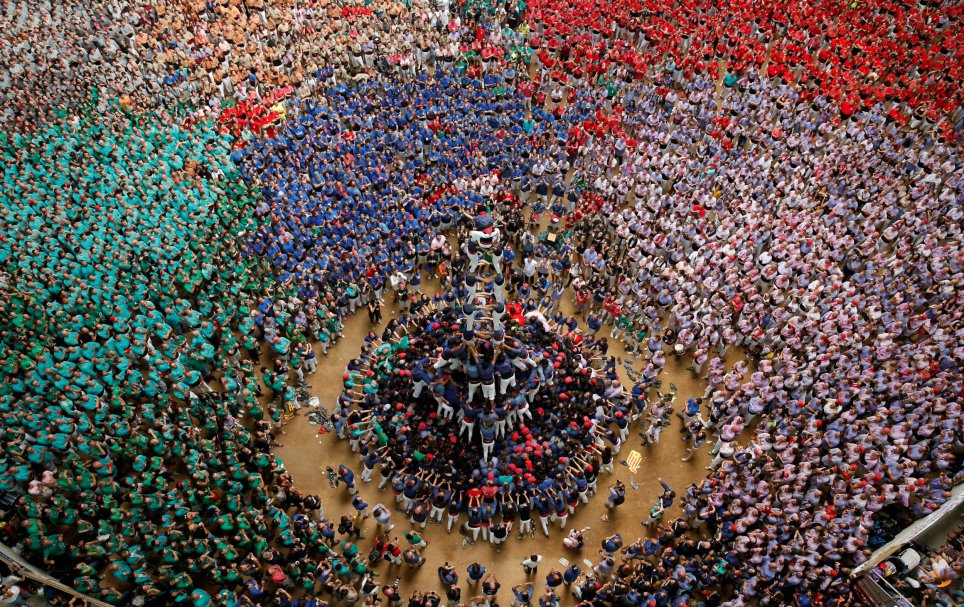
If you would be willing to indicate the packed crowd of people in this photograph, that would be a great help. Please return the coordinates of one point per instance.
(125, 380)
(354, 187)
(528, 410)
(855, 55)
(196, 195)
(203, 57)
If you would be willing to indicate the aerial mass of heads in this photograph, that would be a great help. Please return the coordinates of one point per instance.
(525, 392)
(197, 196)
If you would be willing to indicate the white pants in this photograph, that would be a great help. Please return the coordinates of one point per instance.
(717, 461)
(467, 425)
(386, 526)
(518, 414)
(488, 391)
(417, 388)
(716, 447)
(444, 410)
(497, 261)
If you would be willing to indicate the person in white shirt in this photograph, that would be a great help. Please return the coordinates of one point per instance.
(383, 517)
(531, 563)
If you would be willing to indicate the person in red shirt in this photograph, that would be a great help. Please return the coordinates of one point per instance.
(473, 497)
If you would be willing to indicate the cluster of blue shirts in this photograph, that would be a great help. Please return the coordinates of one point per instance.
(357, 183)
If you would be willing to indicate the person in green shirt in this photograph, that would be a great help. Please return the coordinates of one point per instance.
(349, 549)
(200, 598)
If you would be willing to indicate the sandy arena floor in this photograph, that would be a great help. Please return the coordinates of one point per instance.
(306, 453)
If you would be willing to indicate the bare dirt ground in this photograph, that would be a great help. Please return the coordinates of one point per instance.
(306, 453)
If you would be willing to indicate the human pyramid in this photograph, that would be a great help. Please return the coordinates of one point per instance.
(462, 368)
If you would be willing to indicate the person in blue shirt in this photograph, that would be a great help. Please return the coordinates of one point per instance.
(475, 573)
(522, 594)
(571, 574)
